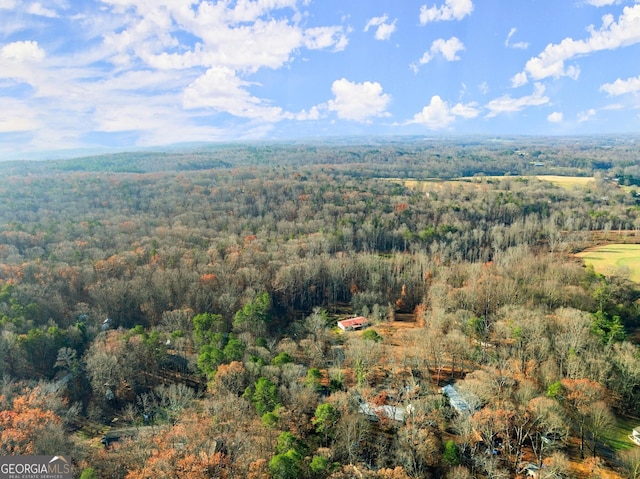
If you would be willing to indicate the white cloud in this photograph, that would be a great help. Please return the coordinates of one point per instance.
(221, 89)
(467, 111)
(245, 36)
(36, 8)
(123, 115)
(249, 11)
(325, 37)
(157, 122)
(519, 79)
(24, 51)
(621, 87)
(519, 45)
(358, 101)
(451, 10)
(507, 104)
(438, 114)
(483, 87)
(555, 117)
(230, 42)
(384, 30)
(120, 76)
(446, 48)
(312, 114)
(586, 115)
(22, 62)
(611, 35)
(16, 116)
(602, 3)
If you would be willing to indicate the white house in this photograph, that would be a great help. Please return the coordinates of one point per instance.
(397, 413)
(353, 323)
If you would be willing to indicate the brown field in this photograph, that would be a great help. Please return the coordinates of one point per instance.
(567, 182)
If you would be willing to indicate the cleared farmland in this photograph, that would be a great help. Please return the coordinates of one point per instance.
(567, 182)
(614, 258)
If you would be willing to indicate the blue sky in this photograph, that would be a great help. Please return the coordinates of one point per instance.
(124, 73)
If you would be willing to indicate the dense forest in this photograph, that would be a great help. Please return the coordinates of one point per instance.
(173, 313)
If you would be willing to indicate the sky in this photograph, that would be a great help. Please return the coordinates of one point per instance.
(135, 73)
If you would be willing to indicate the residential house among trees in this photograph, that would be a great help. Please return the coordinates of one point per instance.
(459, 403)
(353, 323)
(397, 413)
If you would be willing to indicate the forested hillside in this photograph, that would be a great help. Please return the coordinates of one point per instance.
(173, 313)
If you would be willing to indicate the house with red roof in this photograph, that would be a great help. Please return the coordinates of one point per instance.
(352, 324)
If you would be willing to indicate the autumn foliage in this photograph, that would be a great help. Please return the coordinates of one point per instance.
(27, 424)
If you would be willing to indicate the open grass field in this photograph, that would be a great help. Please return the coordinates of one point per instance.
(618, 437)
(568, 182)
(422, 185)
(611, 258)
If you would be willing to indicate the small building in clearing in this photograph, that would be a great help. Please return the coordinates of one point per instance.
(397, 413)
(352, 324)
(460, 403)
(635, 436)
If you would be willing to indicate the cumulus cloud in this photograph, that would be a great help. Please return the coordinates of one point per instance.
(23, 51)
(555, 117)
(312, 114)
(245, 36)
(22, 62)
(507, 104)
(586, 115)
(229, 42)
(610, 36)
(519, 79)
(622, 87)
(451, 10)
(325, 37)
(438, 114)
(242, 11)
(519, 45)
(384, 29)
(358, 101)
(220, 89)
(466, 111)
(448, 49)
(158, 71)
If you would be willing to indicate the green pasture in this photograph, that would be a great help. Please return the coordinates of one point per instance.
(617, 438)
(614, 258)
